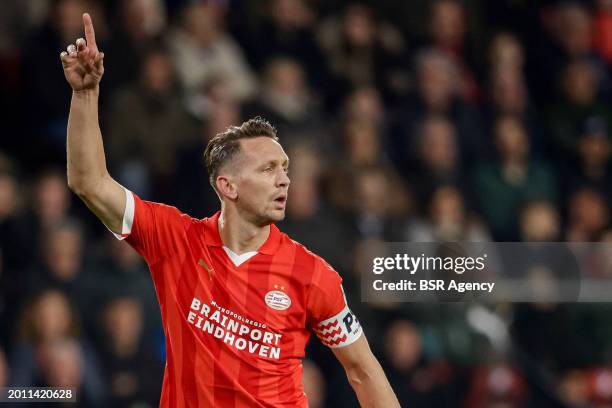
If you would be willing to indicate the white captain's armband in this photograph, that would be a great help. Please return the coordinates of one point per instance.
(340, 330)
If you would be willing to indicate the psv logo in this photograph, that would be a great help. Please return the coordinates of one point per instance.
(277, 300)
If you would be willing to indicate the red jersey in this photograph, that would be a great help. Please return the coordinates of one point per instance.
(236, 329)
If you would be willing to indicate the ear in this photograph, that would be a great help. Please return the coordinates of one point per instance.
(227, 187)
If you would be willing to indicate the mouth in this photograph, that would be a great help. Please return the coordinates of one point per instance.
(281, 200)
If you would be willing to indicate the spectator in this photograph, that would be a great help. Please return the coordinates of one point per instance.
(63, 365)
(17, 18)
(363, 107)
(363, 145)
(540, 222)
(62, 249)
(148, 125)
(204, 53)
(574, 30)
(375, 215)
(61, 266)
(419, 382)
(285, 98)
(48, 324)
(438, 159)
(500, 188)
(498, 385)
(43, 78)
(550, 269)
(447, 32)
(365, 104)
(593, 163)
(598, 386)
(575, 36)
(579, 103)
(589, 216)
(438, 93)
(505, 51)
(569, 26)
(132, 372)
(123, 272)
(190, 188)
(362, 51)
(140, 23)
(287, 31)
(49, 206)
(509, 94)
(573, 388)
(447, 220)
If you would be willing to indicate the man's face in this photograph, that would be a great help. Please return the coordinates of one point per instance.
(260, 174)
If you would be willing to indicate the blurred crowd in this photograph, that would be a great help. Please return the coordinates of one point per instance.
(440, 120)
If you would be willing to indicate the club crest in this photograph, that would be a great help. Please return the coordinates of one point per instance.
(277, 300)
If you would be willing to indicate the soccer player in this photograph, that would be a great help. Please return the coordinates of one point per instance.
(237, 296)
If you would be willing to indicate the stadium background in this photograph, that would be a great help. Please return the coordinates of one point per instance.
(419, 120)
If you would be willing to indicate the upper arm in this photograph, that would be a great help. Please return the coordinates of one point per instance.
(155, 230)
(328, 312)
(356, 355)
(107, 200)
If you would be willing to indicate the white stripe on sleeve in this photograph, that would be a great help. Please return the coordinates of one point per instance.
(128, 216)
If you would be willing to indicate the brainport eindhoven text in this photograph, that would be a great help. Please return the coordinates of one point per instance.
(433, 285)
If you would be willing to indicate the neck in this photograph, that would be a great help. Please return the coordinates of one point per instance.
(241, 235)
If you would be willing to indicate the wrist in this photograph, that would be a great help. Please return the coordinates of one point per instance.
(87, 93)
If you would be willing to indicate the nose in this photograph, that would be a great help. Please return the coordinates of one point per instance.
(283, 180)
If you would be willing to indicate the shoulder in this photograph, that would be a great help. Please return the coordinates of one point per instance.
(312, 265)
(300, 250)
(227, 45)
(163, 211)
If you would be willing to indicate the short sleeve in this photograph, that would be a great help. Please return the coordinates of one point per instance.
(154, 230)
(329, 315)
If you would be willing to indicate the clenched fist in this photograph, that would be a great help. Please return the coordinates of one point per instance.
(83, 63)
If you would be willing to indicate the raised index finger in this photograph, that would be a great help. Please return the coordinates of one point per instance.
(90, 34)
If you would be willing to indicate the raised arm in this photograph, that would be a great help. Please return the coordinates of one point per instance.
(87, 173)
(366, 376)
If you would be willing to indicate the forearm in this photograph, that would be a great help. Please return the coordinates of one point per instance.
(372, 387)
(85, 151)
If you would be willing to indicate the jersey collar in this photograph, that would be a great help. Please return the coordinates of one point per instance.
(213, 238)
